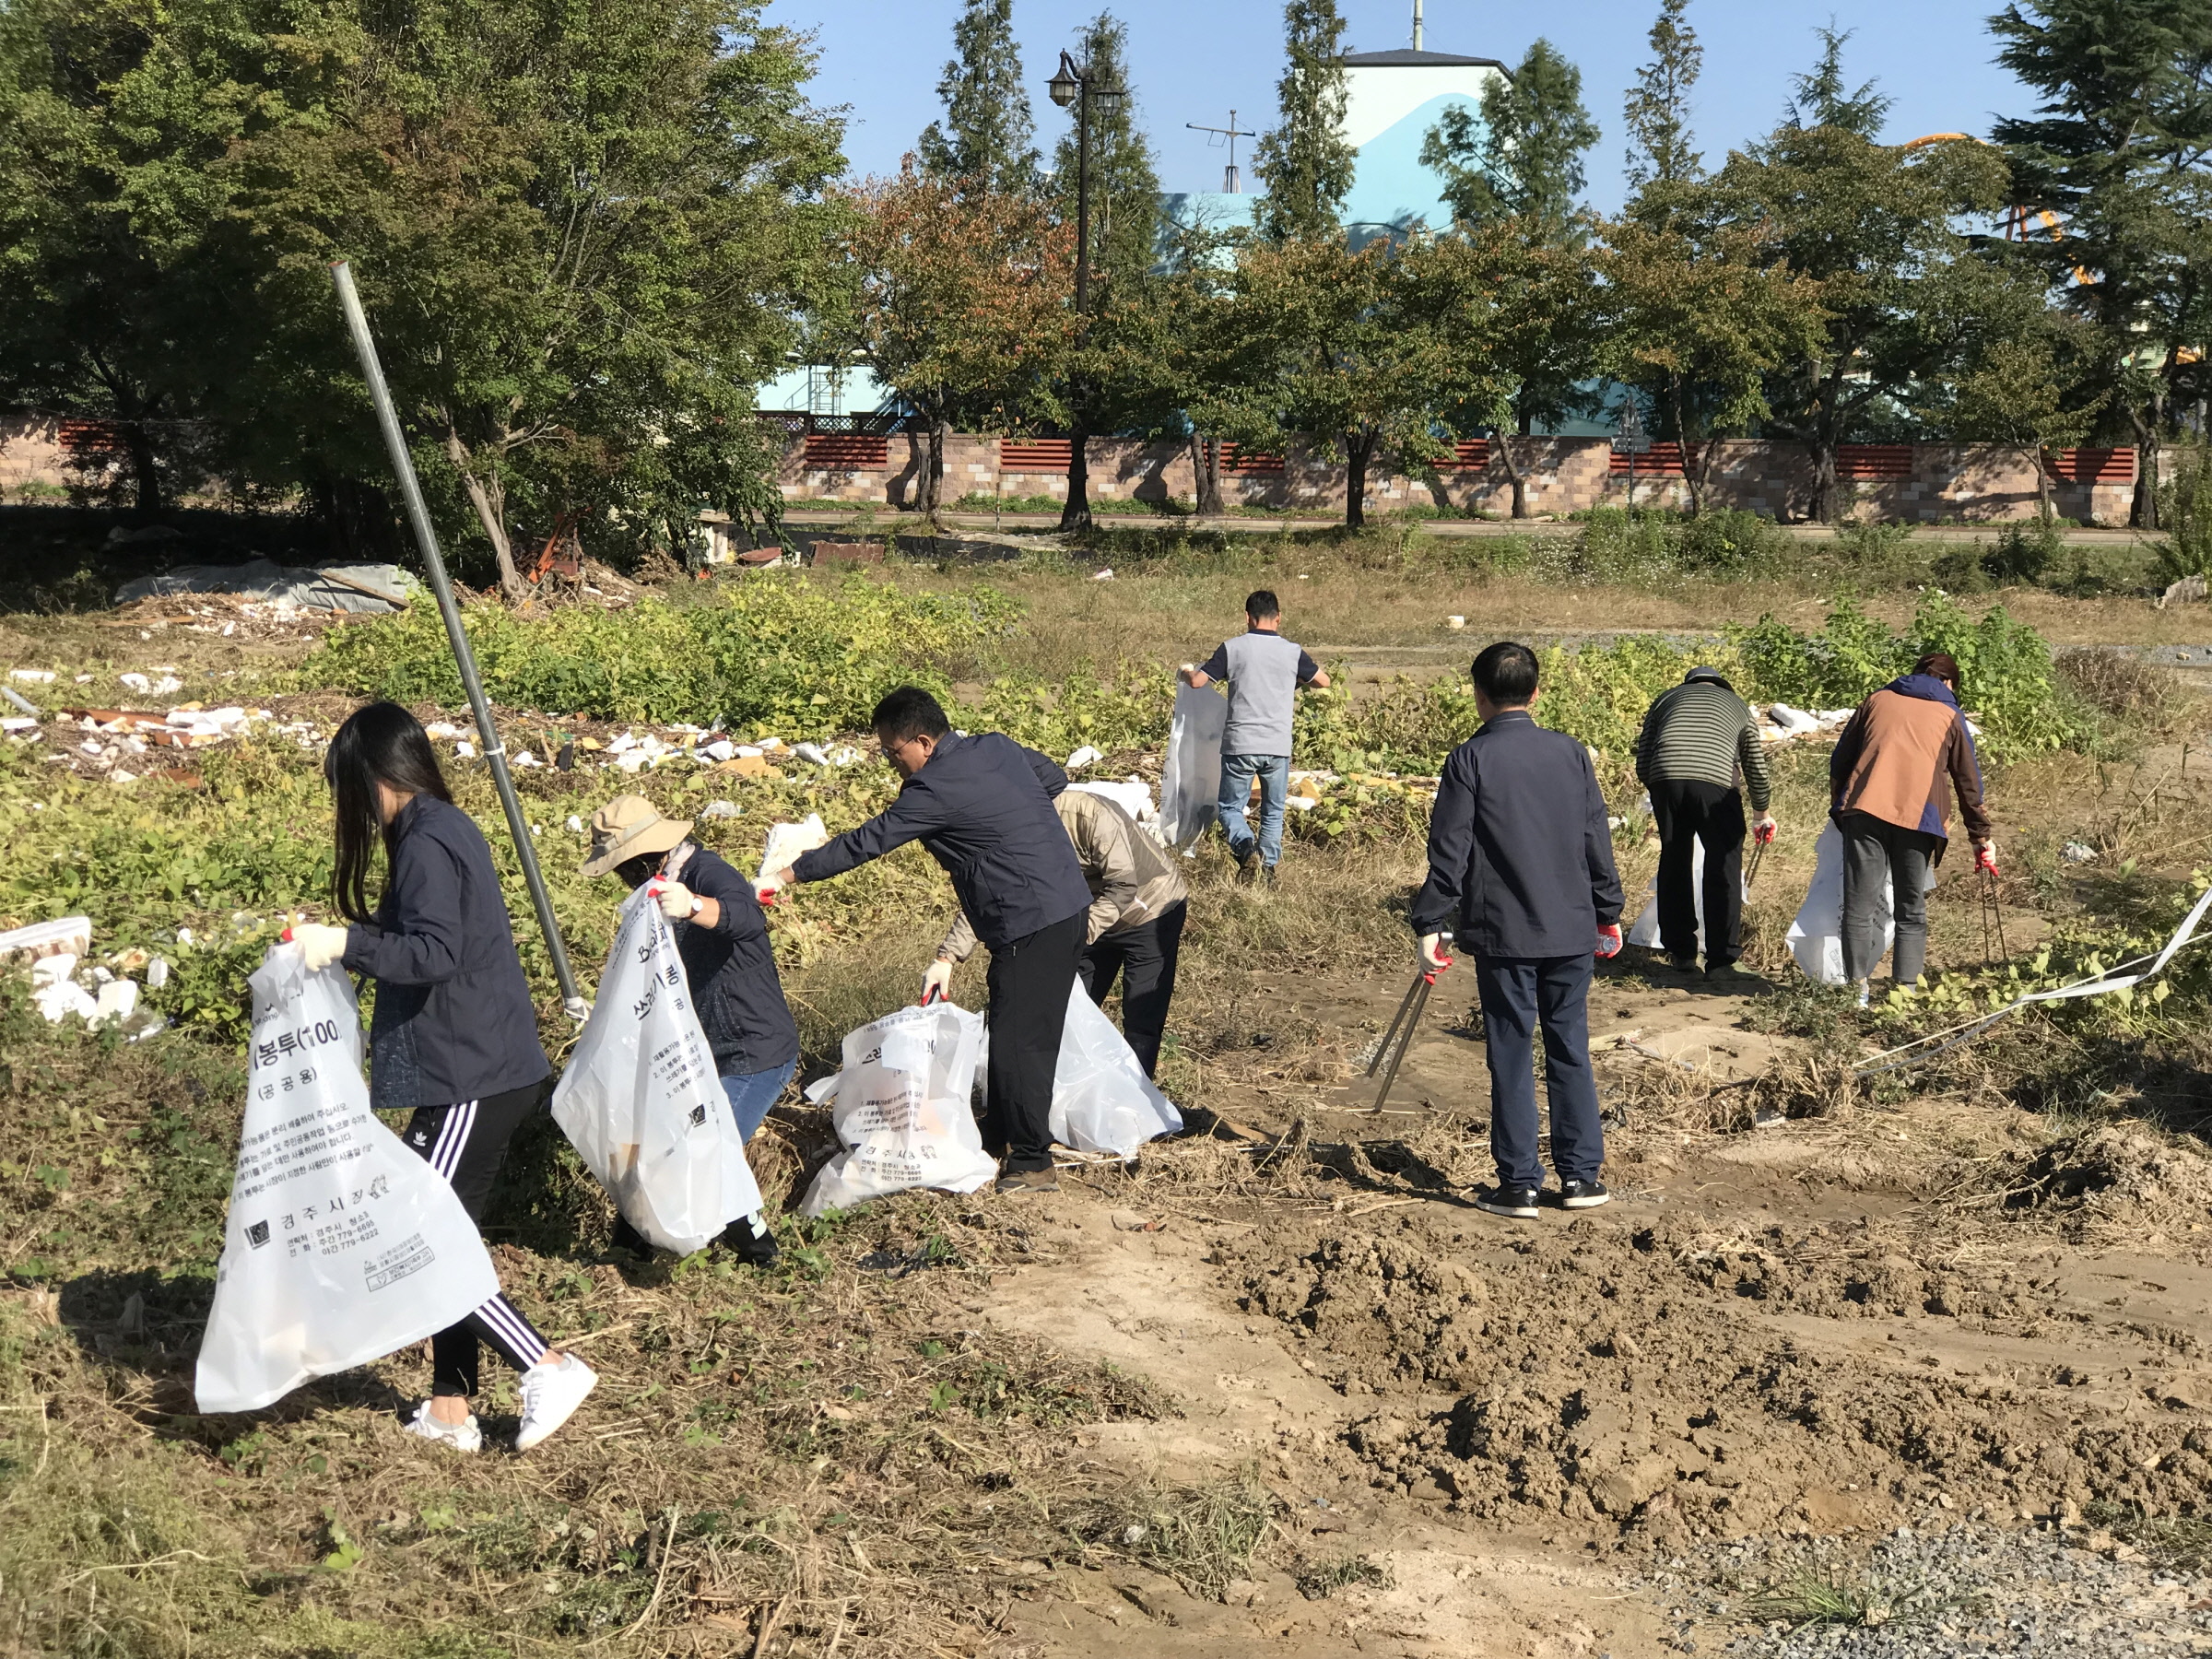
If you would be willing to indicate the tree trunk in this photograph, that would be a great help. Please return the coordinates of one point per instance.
(1694, 474)
(146, 472)
(1075, 513)
(1824, 480)
(1205, 465)
(1514, 475)
(933, 474)
(1358, 448)
(2043, 483)
(489, 501)
(2144, 514)
(1697, 471)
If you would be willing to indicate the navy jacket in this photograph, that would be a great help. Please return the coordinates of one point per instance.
(731, 969)
(983, 808)
(1518, 845)
(453, 1019)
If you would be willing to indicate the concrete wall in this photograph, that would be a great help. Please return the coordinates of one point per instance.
(1977, 483)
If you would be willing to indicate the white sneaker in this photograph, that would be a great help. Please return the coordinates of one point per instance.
(550, 1394)
(1865, 992)
(462, 1437)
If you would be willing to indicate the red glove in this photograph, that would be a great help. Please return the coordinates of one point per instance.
(1608, 939)
(1985, 857)
(1763, 832)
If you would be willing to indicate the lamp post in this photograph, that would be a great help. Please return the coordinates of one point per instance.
(1078, 86)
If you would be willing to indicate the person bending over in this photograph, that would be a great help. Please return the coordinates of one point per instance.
(983, 806)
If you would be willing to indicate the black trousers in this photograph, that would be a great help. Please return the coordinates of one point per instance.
(466, 1142)
(1688, 812)
(1145, 957)
(1520, 994)
(1029, 982)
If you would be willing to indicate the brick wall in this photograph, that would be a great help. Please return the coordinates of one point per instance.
(1918, 483)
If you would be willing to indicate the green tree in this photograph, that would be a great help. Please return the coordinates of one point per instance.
(2025, 378)
(986, 133)
(1125, 188)
(583, 236)
(1305, 161)
(1875, 229)
(1696, 316)
(1524, 158)
(1822, 100)
(1662, 151)
(2116, 154)
(118, 122)
(1350, 352)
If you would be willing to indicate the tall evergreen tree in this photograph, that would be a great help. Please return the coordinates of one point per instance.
(1305, 161)
(1662, 151)
(1821, 100)
(1524, 158)
(2117, 153)
(987, 133)
(1125, 190)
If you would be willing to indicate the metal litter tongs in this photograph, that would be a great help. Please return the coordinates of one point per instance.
(1403, 1027)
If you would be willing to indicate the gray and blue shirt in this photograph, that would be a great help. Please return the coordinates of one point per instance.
(1263, 671)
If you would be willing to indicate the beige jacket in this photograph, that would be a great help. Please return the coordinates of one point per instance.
(1132, 881)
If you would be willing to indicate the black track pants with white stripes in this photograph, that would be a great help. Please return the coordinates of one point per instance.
(466, 1143)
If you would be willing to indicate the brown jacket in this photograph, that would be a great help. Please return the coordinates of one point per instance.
(1131, 879)
(1893, 757)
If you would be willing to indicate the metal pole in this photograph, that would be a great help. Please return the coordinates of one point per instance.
(426, 542)
(1074, 512)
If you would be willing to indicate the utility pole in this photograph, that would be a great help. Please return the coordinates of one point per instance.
(1078, 86)
(1416, 25)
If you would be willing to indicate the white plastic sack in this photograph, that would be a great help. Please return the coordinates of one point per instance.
(1646, 931)
(1133, 795)
(900, 1104)
(1815, 937)
(341, 1246)
(1101, 1100)
(1190, 774)
(641, 1101)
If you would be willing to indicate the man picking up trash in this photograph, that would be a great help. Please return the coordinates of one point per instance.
(1520, 851)
(983, 808)
(1137, 905)
(1888, 797)
(1263, 671)
(1696, 739)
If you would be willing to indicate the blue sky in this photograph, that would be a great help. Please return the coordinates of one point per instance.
(1193, 60)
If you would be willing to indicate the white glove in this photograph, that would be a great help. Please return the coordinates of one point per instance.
(319, 946)
(769, 883)
(677, 901)
(936, 977)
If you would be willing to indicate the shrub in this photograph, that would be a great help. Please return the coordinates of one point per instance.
(2026, 552)
(1730, 541)
(774, 651)
(2185, 510)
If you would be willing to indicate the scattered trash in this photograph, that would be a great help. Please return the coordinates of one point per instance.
(721, 749)
(1456, 622)
(373, 588)
(1133, 795)
(786, 842)
(1084, 756)
(813, 752)
(70, 936)
(2189, 590)
(151, 687)
(465, 750)
(156, 974)
(34, 676)
(1104, 575)
(721, 809)
(575, 825)
(2073, 853)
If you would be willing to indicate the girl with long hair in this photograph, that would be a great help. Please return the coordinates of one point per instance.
(454, 1040)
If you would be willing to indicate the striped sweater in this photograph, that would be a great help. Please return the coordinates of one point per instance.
(1702, 732)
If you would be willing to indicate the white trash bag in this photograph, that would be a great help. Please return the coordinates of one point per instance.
(1815, 937)
(1101, 1100)
(900, 1104)
(1646, 930)
(341, 1245)
(1190, 773)
(641, 1101)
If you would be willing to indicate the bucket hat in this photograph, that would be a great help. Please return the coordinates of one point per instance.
(630, 827)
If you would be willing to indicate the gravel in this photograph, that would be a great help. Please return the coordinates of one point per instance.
(1954, 1588)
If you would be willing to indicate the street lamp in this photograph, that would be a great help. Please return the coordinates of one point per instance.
(1079, 87)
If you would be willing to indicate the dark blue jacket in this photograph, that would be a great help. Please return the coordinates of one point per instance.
(983, 808)
(1518, 845)
(731, 969)
(453, 1019)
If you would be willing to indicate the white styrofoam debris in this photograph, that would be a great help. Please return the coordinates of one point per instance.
(721, 749)
(1084, 756)
(721, 809)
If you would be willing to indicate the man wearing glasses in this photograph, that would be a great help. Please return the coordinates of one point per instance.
(983, 806)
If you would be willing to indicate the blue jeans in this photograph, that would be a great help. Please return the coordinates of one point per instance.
(1517, 993)
(752, 1093)
(1236, 774)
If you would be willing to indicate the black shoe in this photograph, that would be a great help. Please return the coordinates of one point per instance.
(1729, 971)
(1520, 1202)
(756, 1248)
(629, 1241)
(1683, 964)
(1268, 875)
(1583, 1195)
(1248, 868)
